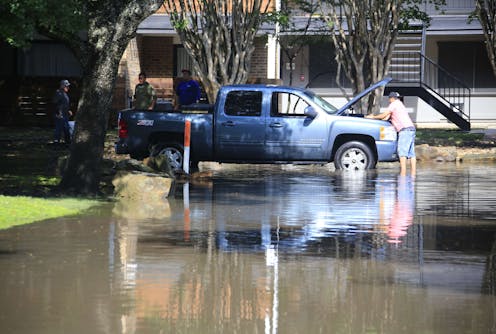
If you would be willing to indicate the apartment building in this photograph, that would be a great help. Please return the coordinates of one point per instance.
(447, 60)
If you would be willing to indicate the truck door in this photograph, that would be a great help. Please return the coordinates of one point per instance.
(293, 136)
(240, 127)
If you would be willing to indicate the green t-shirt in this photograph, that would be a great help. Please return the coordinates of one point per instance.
(144, 94)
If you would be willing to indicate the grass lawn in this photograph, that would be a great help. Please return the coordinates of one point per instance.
(19, 210)
(441, 137)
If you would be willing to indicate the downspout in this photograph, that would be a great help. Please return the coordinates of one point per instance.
(274, 50)
(422, 55)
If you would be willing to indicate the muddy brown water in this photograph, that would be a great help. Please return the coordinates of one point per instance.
(263, 250)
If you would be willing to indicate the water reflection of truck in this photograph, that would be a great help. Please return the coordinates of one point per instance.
(301, 214)
(262, 124)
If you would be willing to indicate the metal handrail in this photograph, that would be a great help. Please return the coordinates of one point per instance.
(413, 68)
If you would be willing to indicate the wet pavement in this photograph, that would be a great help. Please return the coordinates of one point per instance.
(266, 250)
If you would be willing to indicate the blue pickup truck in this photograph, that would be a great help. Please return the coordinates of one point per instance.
(261, 124)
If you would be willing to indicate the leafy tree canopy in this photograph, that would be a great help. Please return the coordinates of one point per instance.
(23, 18)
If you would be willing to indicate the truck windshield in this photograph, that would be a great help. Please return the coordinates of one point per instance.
(326, 106)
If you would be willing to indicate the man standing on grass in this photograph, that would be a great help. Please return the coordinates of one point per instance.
(62, 112)
(397, 114)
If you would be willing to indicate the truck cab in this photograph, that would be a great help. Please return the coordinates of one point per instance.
(263, 124)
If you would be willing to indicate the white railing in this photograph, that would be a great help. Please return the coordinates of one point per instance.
(452, 7)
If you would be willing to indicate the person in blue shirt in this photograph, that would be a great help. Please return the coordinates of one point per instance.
(188, 90)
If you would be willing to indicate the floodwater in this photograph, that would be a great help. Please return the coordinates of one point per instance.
(266, 250)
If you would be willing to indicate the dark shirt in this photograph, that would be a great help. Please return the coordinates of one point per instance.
(61, 102)
(188, 92)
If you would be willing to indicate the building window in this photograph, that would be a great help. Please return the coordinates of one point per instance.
(468, 61)
(323, 67)
(183, 61)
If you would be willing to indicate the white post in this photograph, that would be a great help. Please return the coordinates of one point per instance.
(274, 51)
(187, 218)
(187, 139)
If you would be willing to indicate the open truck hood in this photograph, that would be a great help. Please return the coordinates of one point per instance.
(354, 100)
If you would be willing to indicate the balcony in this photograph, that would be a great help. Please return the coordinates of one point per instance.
(452, 7)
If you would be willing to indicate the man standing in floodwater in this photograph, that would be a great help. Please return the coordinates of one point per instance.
(398, 115)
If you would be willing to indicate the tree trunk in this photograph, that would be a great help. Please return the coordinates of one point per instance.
(111, 25)
(363, 33)
(486, 14)
(211, 89)
(82, 174)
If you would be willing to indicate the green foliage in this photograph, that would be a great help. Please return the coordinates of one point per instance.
(291, 8)
(412, 11)
(28, 185)
(19, 210)
(21, 19)
(179, 24)
(282, 17)
(30, 180)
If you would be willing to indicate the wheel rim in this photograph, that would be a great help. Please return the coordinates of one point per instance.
(354, 159)
(174, 156)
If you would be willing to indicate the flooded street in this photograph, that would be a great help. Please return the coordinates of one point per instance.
(266, 250)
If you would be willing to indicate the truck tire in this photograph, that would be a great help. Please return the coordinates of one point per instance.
(354, 155)
(173, 152)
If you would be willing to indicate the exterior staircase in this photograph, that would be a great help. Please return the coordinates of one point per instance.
(415, 75)
(405, 66)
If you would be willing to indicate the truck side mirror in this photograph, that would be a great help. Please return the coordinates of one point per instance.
(310, 112)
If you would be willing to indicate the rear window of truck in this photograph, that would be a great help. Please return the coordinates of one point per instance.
(243, 103)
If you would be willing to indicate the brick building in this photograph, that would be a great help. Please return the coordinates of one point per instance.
(29, 77)
(162, 58)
